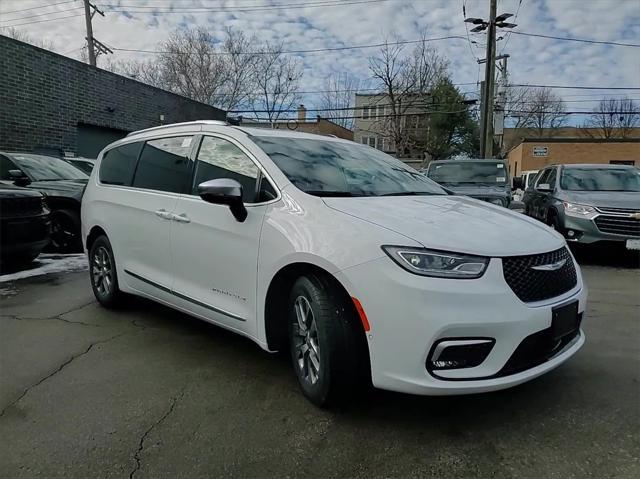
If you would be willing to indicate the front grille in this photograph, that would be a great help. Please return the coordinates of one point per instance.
(537, 349)
(534, 285)
(618, 211)
(618, 225)
(20, 207)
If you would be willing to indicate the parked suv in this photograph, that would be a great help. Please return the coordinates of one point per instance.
(363, 268)
(62, 185)
(588, 203)
(486, 180)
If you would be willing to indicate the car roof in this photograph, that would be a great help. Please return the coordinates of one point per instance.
(598, 166)
(468, 160)
(26, 153)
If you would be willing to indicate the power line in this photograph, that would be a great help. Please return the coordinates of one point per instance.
(508, 35)
(573, 87)
(41, 14)
(35, 8)
(582, 40)
(42, 21)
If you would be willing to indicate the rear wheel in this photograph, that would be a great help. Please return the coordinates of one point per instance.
(65, 231)
(326, 341)
(103, 274)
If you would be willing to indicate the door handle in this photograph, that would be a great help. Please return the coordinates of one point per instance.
(181, 218)
(164, 214)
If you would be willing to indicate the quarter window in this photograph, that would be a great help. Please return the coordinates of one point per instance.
(220, 158)
(118, 165)
(164, 164)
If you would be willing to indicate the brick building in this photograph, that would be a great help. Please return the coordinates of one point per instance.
(536, 153)
(318, 126)
(51, 103)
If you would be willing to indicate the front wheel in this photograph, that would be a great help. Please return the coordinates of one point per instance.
(65, 231)
(326, 341)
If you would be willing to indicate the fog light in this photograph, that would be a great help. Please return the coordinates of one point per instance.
(459, 353)
(570, 233)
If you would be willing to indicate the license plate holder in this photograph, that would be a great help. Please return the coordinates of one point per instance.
(633, 244)
(565, 320)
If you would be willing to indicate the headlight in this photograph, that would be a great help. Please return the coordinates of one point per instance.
(579, 211)
(439, 264)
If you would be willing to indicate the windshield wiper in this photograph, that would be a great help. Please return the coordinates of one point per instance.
(410, 193)
(337, 194)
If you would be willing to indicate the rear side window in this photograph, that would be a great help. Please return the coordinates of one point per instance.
(163, 164)
(118, 164)
(220, 158)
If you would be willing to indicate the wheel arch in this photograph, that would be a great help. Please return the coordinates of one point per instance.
(95, 232)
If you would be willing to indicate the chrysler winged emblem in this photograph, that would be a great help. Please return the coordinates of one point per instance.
(635, 216)
(551, 266)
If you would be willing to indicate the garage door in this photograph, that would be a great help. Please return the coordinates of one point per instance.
(92, 139)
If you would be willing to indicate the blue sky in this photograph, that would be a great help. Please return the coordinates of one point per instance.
(533, 60)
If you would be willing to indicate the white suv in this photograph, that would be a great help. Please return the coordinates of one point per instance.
(366, 270)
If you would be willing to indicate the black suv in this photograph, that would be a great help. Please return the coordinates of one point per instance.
(24, 224)
(62, 185)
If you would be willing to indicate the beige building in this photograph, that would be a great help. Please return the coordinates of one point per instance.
(536, 153)
(371, 125)
(318, 126)
(513, 136)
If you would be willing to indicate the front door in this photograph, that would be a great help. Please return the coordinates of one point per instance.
(215, 256)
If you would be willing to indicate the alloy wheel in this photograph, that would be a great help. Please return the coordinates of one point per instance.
(305, 338)
(102, 271)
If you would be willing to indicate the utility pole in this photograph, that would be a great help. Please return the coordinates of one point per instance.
(486, 125)
(489, 78)
(90, 46)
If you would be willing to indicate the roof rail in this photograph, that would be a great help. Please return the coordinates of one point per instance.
(186, 123)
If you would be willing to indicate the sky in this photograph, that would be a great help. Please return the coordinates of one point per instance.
(143, 24)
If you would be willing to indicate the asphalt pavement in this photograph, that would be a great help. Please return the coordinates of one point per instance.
(149, 392)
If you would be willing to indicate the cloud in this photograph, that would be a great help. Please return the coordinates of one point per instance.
(532, 60)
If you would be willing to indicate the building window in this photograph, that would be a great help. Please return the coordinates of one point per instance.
(365, 112)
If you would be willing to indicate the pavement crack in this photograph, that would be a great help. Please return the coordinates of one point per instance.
(136, 456)
(57, 370)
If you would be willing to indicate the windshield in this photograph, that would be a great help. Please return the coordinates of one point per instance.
(329, 168)
(47, 168)
(469, 172)
(600, 179)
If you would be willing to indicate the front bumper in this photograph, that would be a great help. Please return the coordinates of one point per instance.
(586, 231)
(409, 313)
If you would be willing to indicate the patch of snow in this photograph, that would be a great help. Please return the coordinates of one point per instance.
(50, 263)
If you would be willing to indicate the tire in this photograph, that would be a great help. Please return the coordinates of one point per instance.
(554, 222)
(326, 341)
(65, 231)
(103, 274)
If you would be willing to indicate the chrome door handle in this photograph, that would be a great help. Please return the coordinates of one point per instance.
(164, 214)
(181, 218)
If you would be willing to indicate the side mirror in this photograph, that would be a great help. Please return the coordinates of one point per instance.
(518, 183)
(544, 187)
(224, 191)
(19, 178)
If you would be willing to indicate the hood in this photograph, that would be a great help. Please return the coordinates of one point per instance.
(13, 191)
(454, 223)
(64, 188)
(479, 190)
(610, 199)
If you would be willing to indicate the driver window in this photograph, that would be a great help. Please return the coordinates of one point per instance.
(542, 179)
(220, 158)
(551, 178)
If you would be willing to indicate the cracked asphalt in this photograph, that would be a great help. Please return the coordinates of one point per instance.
(147, 392)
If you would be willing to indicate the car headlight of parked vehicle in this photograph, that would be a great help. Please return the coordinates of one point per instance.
(579, 211)
(439, 264)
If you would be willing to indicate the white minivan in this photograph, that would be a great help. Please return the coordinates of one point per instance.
(363, 268)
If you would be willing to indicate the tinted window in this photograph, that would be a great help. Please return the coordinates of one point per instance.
(47, 168)
(600, 179)
(551, 179)
(5, 165)
(468, 172)
(220, 158)
(118, 165)
(331, 168)
(164, 164)
(542, 178)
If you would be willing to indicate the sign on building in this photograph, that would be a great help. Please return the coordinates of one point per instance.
(540, 151)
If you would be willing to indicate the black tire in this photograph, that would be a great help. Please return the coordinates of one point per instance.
(102, 265)
(343, 362)
(65, 231)
(554, 222)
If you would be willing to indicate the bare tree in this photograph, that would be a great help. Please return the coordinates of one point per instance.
(339, 96)
(404, 79)
(539, 110)
(614, 118)
(276, 80)
(22, 36)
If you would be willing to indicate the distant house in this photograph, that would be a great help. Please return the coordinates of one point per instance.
(318, 125)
